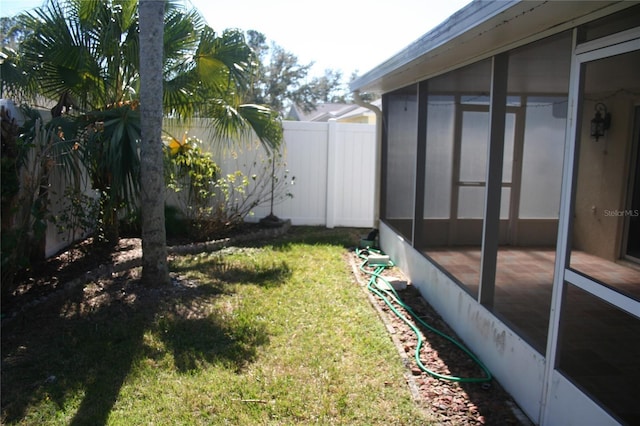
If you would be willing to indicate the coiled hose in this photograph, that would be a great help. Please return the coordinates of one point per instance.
(389, 295)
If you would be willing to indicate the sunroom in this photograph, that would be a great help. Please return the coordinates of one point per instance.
(509, 181)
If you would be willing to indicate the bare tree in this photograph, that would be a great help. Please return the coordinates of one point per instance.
(155, 270)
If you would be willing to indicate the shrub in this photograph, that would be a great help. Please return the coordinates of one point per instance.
(212, 201)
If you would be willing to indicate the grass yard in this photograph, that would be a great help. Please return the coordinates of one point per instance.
(276, 333)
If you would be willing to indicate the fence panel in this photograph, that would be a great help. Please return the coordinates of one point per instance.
(353, 175)
(333, 165)
(305, 150)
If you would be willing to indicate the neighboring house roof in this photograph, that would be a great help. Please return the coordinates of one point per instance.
(477, 31)
(361, 114)
(323, 112)
(341, 112)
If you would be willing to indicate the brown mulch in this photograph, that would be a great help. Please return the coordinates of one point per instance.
(449, 402)
(86, 261)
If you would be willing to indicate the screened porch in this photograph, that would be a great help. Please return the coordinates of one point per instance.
(483, 206)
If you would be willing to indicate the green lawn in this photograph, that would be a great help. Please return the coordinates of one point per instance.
(269, 334)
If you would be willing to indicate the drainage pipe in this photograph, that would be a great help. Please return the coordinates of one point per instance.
(378, 155)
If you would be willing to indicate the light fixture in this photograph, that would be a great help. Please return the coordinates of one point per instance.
(601, 121)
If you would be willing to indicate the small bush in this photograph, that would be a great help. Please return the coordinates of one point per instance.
(212, 202)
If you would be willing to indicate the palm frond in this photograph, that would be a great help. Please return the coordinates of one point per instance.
(112, 152)
(90, 49)
(17, 82)
(264, 122)
(224, 62)
(69, 64)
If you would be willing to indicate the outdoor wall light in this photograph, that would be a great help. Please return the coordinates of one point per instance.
(601, 122)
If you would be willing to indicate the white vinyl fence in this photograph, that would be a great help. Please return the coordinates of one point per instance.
(334, 168)
(333, 165)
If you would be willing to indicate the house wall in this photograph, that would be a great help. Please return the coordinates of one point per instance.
(573, 79)
(514, 363)
(360, 119)
(603, 167)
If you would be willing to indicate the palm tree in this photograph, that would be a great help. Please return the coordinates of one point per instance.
(154, 250)
(87, 55)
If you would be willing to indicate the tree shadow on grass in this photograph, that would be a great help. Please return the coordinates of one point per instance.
(198, 342)
(85, 342)
(265, 275)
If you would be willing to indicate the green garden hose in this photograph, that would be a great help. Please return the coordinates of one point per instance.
(389, 295)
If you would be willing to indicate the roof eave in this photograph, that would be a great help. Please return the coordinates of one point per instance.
(461, 22)
(479, 29)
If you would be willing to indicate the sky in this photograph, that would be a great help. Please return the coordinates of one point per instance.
(345, 35)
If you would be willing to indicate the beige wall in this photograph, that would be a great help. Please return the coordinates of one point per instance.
(603, 168)
(369, 118)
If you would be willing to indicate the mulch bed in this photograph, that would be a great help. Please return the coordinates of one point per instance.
(451, 403)
(86, 260)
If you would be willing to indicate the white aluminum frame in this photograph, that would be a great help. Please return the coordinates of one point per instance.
(616, 44)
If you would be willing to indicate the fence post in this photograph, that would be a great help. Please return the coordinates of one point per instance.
(332, 137)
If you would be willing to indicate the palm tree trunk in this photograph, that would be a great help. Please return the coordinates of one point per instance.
(155, 270)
